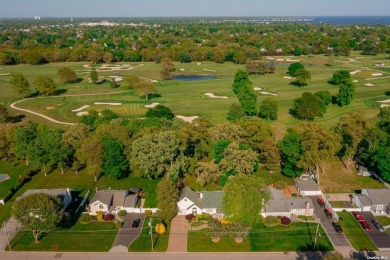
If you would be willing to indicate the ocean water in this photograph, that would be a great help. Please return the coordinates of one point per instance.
(371, 20)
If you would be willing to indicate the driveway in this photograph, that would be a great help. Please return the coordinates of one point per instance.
(337, 239)
(13, 227)
(178, 235)
(127, 234)
(380, 239)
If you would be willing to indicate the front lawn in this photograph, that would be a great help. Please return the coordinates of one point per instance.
(296, 237)
(143, 242)
(93, 237)
(355, 234)
(385, 221)
(337, 204)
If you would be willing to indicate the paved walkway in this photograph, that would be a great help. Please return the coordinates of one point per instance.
(178, 235)
(12, 229)
(127, 234)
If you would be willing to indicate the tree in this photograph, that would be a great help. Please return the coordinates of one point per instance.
(185, 57)
(346, 93)
(45, 85)
(145, 89)
(341, 76)
(160, 111)
(38, 213)
(94, 76)
(291, 150)
(307, 107)
(325, 96)
(114, 162)
(302, 76)
(235, 112)
(4, 115)
(20, 85)
(238, 160)
(67, 75)
(270, 154)
(167, 67)
(6, 142)
(131, 80)
(242, 200)
(269, 109)
(24, 141)
(206, 172)
(294, 67)
(384, 119)
(108, 57)
(91, 155)
(247, 98)
(32, 57)
(167, 197)
(241, 78)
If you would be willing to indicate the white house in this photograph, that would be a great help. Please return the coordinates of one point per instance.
(192, 202)
(280, 205)
(307, 187)
(64, 195)
(112, 201)
(375, 200)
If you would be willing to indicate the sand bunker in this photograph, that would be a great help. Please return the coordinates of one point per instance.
(84, 113)
(369, 85)
(279, 59)
(268, 93)
(50, 108)
(86, 66)
(80, 108)
(257, 89)
(354, 72)
(110, 104)
(289, 60)
(188, 119)
(116, 78)
(198, 63)
(211, 95)
(5, 74)
(352, 60)
(355, 81)
(385, 101)
(288, 77)
(182, 69)
(152, 105)
(377, 74)
(385, 105)
(210, 70)
(270, 58)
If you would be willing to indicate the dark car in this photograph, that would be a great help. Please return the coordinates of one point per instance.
(366, 226)
(359, 217)
(136, 223)
(337, 227)
(321, 202)
(378, 225)
(328, 213)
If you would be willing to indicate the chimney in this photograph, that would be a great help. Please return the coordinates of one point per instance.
(201, 195)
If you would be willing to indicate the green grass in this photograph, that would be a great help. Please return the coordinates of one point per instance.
(13, 170)
(197, 224)
(385, 221)
(186, 98)
(93, 237)
(143, 242)
(337, 204)
(296, 237)
(355, 234)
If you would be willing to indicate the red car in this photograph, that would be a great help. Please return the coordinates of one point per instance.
(321, 202)
(366, 226)
(359, 217)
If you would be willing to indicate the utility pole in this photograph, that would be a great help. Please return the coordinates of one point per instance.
(317, 235)
(6, 234)
(151, 231)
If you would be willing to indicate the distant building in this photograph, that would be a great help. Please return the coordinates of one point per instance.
(37, 18)
(379, 64)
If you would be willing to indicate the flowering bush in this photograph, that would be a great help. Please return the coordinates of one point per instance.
(190, 217)
(108, 217)
(285, 221)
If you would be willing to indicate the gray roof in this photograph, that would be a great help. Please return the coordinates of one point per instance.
(104, 196)
(276, 194)
(379, 196)
(131, 201)
(60, 193)
(306, 185)
(212, 199)
(364, 200)
(192, 195)
(119, 198)
(287, 204)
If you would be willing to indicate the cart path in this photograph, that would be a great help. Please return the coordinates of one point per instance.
(13, 105)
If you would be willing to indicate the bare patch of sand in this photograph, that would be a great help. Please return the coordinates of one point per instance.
(288, 77)
(289, 60)
(376, 74)
(369, 85)
(198, 63)
(354, 72)
(210, 70)
(268, 93)
(385, 101)
(80, 108)
(188, 119)
(355, 81)
(212, 95)
(279, 59)
(83, 113)
(116, 78)
(182, 69)
(50, 108)
(257, 89)
(352, 60)
(110, 104)
(385, 105)
(270, 58)
(152, 105)
(5, 74)
(86, 66)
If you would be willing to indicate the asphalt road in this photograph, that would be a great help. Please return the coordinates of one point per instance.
(380, 239)
(338, 239)
(127, 234)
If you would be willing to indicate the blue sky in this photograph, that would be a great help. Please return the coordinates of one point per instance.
(139, 8)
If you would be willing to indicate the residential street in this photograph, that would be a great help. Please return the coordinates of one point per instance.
(380, 239)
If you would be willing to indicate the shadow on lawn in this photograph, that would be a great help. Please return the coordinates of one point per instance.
(362, 255)
(70, 215)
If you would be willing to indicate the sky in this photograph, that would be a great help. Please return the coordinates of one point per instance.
(169, 8)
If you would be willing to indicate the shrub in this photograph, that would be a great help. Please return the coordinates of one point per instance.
(122, 213)
(285, 221)
(225, 222)
(118, 224)
(161, 229)
(108, 217)
(85, 219)
(271, 220)
(189, 217)
(199, 216)
(99, 216)
(148, 212)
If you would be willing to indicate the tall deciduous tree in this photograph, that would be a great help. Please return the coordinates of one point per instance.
(206, 172)
(346, 93)
(67, 75)
(20, 85)
(302, 76)
(145, 89)
(45, 85)
(235, 112)
(91, 155)
(38, 213)
(24, 141)
(341, 76)
(167, 197)
(114, 162)
(238, 160)
(291, 150)
(94, 76)
(131, 80)
(242, 200)
(294, 67)
(167, 68)
(4, 115)
(160, 111)
(307, 107)
(269, 109)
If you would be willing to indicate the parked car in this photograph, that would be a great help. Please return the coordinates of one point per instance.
(337, 227)
(321, 202)
(359, 217)
(366, 226)
(378, 225)
(136, 223)
(328, 213)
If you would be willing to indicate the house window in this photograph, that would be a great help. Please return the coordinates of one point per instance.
(194, 211)
(101, 206)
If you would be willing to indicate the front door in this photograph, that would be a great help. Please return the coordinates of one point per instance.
(194, 211)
